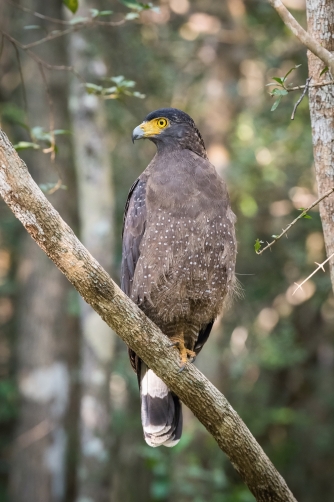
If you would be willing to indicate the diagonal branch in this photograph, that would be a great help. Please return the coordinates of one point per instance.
(326, 56)
(58, 241)
(302, 214)
(307, 85)
(320, 266)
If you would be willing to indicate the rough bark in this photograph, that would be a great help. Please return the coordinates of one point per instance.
(96, 211)
(58, 241)
(320, 20)
(47, 347)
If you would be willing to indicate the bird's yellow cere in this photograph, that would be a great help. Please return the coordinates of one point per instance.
(154, 127)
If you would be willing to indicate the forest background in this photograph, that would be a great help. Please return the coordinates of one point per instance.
(69, 405)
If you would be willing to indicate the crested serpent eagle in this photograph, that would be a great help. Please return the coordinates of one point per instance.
(179, 251)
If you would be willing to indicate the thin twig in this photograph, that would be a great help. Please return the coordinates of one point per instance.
(52, 148)
(41, 61)
(57, 34)
(92, 21)
(308, 80)
(305, 38)
(56, 186)
(34, 434)
(320, 266)
(37, 14)
(295, 220)
(61, 21)
(41, 66)
(24, 94)
(51, 116)
(301, 87)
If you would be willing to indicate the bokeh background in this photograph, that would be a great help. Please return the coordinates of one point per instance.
(69, 405)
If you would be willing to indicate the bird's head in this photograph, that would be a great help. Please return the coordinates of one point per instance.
(172, 129)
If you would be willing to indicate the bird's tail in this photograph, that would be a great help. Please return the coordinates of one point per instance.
(161, 412)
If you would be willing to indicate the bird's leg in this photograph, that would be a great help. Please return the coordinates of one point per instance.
(178, 341)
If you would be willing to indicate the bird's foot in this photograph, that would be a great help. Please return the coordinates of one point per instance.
(185, 354)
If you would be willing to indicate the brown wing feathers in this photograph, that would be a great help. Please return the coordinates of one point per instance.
(161, 412)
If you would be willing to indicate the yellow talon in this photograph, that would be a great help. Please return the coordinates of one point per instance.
(178, 341)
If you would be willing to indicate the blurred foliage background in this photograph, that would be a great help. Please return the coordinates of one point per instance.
(272, 354)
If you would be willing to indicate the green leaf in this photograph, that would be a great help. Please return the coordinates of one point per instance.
(99, 13)
(278, 92)
(25, 145)
(139, 95)
(13, 115)
(275, 236)
(72, 5)
(118, 80)
(323, 71)
(32, 27)
(58, 132)
(275, 105)
(122, 87)
(291, 69)
(9, 400)
(127, 83)
(306, 216)
(279, 80)
(257, 245)
(109, 90)
(131, 4)
(93, 88)
(132, 15)
(105, 12)
(139, 6)
(77, 20)
(38, 133)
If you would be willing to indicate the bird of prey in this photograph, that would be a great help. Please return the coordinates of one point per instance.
(178, 258)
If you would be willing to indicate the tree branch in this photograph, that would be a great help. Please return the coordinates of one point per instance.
(320, 266)
(58, 241)
(41, 61)
(89, 21)
(302, 214)
(318, 84)
(301, 87)
(301, 98)
(326, 56)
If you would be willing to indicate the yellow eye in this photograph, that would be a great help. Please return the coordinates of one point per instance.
(162, 123)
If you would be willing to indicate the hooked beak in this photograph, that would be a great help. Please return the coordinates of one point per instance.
(137, 133)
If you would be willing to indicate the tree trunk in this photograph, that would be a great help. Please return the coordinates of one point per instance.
(320, 20)
(96, 211)
(47, 328)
